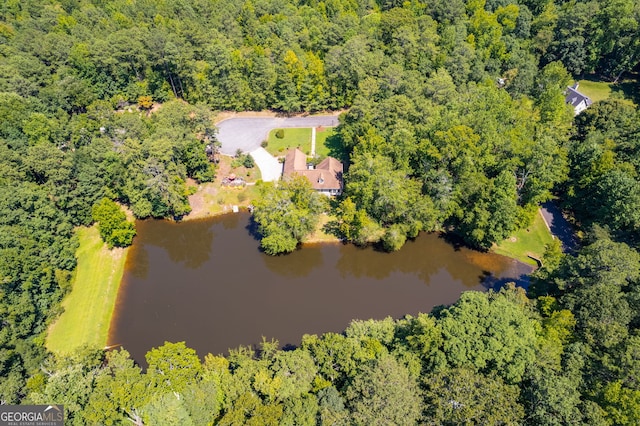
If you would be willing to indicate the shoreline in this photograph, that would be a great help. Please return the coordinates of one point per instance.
(208, 214)
(324, 238)
(314, 240)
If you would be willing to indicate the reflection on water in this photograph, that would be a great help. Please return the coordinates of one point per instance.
(206, 282)
(424, 257)
(298, 264)
(187, 245)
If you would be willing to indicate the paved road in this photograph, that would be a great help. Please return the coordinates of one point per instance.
(559, 226)
(270, 168)
(248, 133)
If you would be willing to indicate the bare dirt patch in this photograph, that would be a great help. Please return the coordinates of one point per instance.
(155, 107)
(200, 202)
(224, 115)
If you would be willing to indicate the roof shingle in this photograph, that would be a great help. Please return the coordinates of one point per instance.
(327, 176)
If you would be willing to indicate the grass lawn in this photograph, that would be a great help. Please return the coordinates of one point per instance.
(627, 89)
(323, 140)
(214, 199)
(292, 138)
(228, 196)
(89, 306)
(327, 142)
(527, 241)
(596, 90)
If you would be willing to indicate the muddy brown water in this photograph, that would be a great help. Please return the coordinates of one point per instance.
(206, 283)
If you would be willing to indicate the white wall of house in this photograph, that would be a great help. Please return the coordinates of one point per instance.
(580, 107)
(329, 192)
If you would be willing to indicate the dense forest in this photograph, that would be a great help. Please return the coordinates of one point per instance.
(456, 121)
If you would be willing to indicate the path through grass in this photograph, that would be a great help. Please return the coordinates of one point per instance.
(90, 305)
(525, 242)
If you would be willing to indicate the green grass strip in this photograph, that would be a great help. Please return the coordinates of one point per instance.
(90, 305)
(525, 242)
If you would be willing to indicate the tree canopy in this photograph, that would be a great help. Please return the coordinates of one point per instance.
(454, 120)
(286, 214)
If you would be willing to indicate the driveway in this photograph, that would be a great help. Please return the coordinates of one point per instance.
(269, 166)
(559, 226)
(248, 133)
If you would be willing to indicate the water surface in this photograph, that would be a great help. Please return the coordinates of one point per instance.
(206, 283)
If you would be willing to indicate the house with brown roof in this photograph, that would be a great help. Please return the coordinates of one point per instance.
(325, 178)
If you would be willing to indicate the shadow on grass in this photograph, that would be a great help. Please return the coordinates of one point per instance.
(336, 147)
(594, 78)
(628, 87)
(332, 228)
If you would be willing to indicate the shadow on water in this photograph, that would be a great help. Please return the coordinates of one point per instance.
(453, 240)
(252, 229)
(491, 282)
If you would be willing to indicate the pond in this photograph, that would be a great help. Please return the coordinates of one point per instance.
(206, 283)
